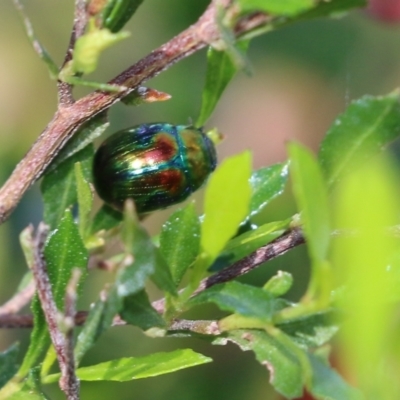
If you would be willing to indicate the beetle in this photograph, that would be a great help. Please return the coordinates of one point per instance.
(157, 165)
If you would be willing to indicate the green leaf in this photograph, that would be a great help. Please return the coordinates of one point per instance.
(137, 310)
(85, 199)
(332, 8)
(312, 200)
(30, 388)
(180, 241)
(63, 252)
(282, 7)
(118, 12)
(59, 186)
(129, 368)
(88, 49)
(220, 71)
(367, 125)
(105, 219)
(147, 259)
(226, 203)
(312, 330)
(8, 364)
(279, 284)
(267, 184)
(327, 384)
(88, 132)
(246, 300)
(98, 321)
(282, 362)
(248, 242)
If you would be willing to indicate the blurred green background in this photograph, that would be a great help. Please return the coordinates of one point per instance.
(303, 76)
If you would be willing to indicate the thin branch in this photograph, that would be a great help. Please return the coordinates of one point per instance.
(69, 118)
(19, 300)
(203, 327)
(80, 21)
(278, 247)
(266, 253)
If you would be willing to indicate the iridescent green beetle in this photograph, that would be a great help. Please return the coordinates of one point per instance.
(157, 165)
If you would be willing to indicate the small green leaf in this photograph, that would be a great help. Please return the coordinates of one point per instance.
(147, 259)
(63, 252)
(118, 12)
(130, 368)
(311, 330)
(85, 199)
(279, 284)
(8, 364)
(282, 7)
(332, 8)
(98, 321)
(244, 244)
(267, 183)
(367, 126)
(180, 241)
(220, 70)
(246, 300)
(286, 373)
(59, 186)
(226, 203)
(88, 49)
(137, 310)
(327, 384)
(312, 200)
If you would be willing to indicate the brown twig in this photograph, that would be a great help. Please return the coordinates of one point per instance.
(266, 253)
(19, 300)
(70, 117)
(50, 311)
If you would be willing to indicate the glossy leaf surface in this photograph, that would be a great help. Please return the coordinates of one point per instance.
(227, 200)
(118, 12)
(244, 244)
(267, 184)
(180, 241)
